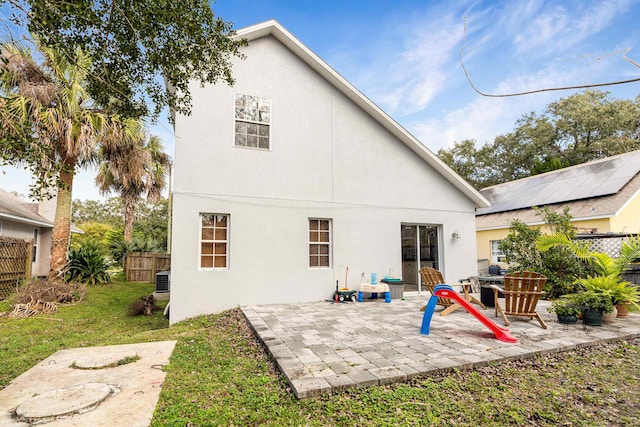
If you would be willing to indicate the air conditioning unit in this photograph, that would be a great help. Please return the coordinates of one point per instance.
(163, 282)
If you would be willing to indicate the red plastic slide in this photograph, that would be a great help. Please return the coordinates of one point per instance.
(501, 333)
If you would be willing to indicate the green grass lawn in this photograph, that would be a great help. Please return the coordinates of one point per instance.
(220, 375)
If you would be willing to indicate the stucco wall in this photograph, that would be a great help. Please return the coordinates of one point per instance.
(25, 231)
(328, 159)
(628, 218)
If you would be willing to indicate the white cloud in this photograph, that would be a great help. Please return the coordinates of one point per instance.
(552, 28)
(481, 119)
(484, 118)
(413, 69)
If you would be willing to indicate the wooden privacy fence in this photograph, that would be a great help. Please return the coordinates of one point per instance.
(143, 266)
(15, 263)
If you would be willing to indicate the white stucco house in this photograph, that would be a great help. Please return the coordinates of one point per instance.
(290, 176)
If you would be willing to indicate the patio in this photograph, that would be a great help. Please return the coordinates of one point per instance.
(323, 347)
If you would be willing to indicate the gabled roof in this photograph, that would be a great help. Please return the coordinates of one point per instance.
(15, 209)
(273, 28)
(598, 189)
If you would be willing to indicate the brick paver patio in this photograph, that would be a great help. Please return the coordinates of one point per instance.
(323, 346)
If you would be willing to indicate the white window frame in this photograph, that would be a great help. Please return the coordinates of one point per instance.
(497, 256)
(318, 243)
(215, 240)
(263, 119)
(36, 238)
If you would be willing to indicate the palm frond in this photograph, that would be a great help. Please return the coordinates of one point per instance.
(629, 252)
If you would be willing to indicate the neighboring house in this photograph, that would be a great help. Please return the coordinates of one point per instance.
(22, 219)
(603, 196)
(292, 175)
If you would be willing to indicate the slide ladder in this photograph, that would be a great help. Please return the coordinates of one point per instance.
(446, 291)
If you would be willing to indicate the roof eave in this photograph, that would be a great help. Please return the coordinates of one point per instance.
(24, 220)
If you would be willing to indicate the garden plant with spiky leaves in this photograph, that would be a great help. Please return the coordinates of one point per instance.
(607, 277)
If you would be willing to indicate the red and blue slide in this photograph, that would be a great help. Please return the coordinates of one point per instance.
(446, 291)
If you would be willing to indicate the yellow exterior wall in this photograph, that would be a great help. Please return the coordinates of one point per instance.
(628, 219)
(483, 242)
(602, 225)
(484, 237)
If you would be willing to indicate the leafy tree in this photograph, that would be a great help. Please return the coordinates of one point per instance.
(590, 125)
(133, 170)
(92, 231)
(579, 128)
(519, 247)
(119, 248)
(100, 219)
(108, 212)
(52, 126)
(134, 45)
(152, 222)
(559, 264)
(467, 162)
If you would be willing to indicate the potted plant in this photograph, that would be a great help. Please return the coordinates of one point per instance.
(593, 304)
(622, 294)
(566, 309)
(607, 271)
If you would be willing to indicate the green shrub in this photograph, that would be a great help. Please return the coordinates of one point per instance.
(88, 264)
(566, 306)
(118, 249)
(559, 264)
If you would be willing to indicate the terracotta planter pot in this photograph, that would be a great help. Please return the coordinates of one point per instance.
(623, 310)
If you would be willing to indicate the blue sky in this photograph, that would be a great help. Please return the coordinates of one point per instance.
(403, 55)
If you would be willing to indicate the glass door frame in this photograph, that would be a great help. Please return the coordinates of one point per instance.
(439, 247)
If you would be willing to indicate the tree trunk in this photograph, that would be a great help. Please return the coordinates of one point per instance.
(61, 226)
(129, 213)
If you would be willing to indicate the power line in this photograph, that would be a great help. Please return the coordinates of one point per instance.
(529, 92)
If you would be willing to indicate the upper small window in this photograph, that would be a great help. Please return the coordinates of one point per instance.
(252, 120)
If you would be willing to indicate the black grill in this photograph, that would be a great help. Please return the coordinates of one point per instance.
(163, 280)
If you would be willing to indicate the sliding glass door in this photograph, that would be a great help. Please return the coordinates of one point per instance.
(420, 248)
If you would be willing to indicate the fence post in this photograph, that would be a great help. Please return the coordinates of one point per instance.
(28, 263)
(154, 260)
(127, 276)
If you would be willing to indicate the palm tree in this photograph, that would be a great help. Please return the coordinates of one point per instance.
(133, 170)
(53, 126)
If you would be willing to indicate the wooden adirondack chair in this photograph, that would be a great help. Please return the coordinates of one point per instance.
(432, 277)
(521, 291)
